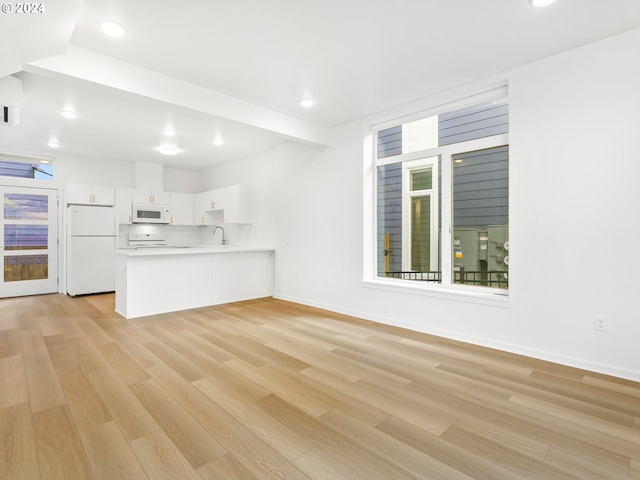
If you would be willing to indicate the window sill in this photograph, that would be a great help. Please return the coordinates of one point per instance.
(491, 297)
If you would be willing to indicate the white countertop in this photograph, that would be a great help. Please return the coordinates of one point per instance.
(190, 250)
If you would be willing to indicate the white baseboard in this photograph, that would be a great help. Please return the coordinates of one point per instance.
(484, 342)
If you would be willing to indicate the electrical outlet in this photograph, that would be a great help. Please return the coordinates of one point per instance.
(600, 323)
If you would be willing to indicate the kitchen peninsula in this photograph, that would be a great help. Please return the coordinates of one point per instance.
(158, 280)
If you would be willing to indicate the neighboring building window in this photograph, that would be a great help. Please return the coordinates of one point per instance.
(26, 167)
(443, 186)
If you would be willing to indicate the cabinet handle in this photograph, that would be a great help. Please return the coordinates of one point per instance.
(130, 219)
(151, 198)
(213, 204)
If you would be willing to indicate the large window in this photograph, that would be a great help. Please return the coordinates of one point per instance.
(442, 197)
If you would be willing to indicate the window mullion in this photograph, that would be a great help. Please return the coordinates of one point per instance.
(447, 216)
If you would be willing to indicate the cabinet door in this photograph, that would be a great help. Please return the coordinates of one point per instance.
(123, 205)
(182, 209)
(199, 201)
(160, 198)
(151, 197)
(237, 207)
(77, 194)
(203, 208)
(235, 203)
(89, 194)
(140, 196)
(223, 205)
(103, 195)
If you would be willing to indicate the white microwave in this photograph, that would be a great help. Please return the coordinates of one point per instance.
(146, 213)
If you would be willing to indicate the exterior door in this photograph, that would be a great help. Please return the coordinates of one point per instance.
(29, 241)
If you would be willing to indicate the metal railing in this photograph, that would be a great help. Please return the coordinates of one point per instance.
(485, 278)
(435, 277)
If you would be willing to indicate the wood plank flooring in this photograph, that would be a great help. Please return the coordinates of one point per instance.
(269, 389)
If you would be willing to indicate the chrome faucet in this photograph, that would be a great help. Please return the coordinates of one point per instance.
(215, 229)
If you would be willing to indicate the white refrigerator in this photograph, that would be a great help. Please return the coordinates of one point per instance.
(91, 246)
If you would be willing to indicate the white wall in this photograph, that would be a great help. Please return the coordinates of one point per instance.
(91, 171)
(117, 173)
(258, 173)
(574, 145)
(183, 181)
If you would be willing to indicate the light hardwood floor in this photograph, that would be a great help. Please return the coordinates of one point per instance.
(269, 389)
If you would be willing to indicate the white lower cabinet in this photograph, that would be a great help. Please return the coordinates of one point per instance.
(148, 285)
(241, 277)
(151, 282)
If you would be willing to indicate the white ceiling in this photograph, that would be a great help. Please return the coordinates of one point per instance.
(238, 68)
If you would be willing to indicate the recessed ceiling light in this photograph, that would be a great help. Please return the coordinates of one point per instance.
(113, 29)
(541, 3)
(169, 132)
(168, 150)
(307, 102)
(52, 144)
(70, 114)
(218, 142)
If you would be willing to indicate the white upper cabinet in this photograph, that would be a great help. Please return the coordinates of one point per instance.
(152, 197)
(204, 204)
(182, 211)
(224, 205)
(123, 205)
(236, 204)
(89, 194)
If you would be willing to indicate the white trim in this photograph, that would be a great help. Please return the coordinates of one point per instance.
(463, 293)
(437, 104)
(54, 246)
(371, 163)
(407, 195)
(21, 158)
(451, 149)
(28, 159)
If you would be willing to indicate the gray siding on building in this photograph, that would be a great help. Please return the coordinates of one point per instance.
(473, 122)
(481, 188)
(390, 142)
(15, 169)
(390, 215)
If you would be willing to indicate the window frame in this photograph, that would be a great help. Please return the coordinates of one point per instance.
(407, 195)
(29, 160)
(445, 289)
